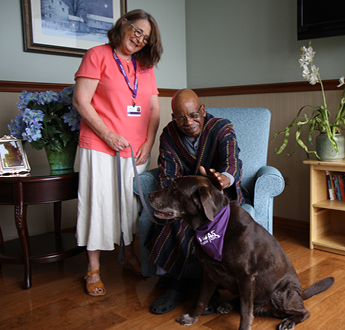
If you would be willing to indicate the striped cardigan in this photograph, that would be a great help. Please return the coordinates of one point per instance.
(171, 245)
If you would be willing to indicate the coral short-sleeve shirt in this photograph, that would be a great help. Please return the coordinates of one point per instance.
(113, 96)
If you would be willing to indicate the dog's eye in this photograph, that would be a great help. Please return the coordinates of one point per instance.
(175, 191)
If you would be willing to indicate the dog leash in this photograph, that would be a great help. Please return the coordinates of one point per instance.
(122, 251)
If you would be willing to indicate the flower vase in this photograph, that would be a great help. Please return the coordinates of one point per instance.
(324, 147)
(62, 160)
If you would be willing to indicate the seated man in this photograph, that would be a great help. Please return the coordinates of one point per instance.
(193, 143)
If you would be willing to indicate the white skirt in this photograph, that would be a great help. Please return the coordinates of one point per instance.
(98, 224)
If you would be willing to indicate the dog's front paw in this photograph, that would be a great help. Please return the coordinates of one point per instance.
(186, 319)
(286, 324)
(224, 308)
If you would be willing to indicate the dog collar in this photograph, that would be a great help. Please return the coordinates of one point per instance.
(210, 234)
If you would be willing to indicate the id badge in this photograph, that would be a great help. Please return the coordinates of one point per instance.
(133, 111)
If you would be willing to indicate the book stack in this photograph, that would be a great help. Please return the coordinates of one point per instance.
(336, 185)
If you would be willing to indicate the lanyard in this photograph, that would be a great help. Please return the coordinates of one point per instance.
(135, 90)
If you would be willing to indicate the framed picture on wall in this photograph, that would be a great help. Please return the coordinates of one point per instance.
(13, 159)
(68, 27)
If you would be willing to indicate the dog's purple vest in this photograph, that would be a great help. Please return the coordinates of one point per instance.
(210, 234)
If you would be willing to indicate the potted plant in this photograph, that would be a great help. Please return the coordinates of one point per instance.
(48, 120)
(318, 118)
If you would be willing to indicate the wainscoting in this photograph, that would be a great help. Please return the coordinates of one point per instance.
(283, 100)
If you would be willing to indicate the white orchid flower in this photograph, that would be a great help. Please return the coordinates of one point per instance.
(304, 49)
(302, 61)
(310, 53)
(314, 69)
(314, 75)
(307, 54)
(306, 72)
(341, 81)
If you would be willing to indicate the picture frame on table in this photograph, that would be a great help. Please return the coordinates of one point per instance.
(13, 158)
(53, 27)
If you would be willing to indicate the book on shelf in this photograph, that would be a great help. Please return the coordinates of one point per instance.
(330, 186)
(336, 185)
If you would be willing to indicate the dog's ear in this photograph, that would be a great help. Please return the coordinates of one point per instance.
(207, 202)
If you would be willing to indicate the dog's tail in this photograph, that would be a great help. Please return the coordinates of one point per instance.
(318, 287)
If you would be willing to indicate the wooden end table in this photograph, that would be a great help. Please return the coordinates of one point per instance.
(41, 186)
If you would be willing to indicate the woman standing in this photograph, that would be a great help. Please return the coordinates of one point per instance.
(116, 95)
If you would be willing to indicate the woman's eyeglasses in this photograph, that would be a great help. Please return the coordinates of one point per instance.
(139, 32)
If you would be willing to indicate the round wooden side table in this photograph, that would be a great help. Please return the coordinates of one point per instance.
(41, 186)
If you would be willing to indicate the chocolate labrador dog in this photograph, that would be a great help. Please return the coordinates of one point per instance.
(249, 262)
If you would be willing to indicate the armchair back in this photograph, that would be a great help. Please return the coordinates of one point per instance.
(252, 127)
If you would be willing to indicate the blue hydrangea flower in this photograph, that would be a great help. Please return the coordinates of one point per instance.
(33, 132)
(17, 126)
(72, 118)
(36, 119)
(66, 95)
(32, 116)
(47, 97)
(25, 98)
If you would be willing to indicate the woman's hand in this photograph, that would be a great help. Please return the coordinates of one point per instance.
(143, 153)
(116, 141)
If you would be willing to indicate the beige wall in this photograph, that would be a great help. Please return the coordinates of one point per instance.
(293, 203)
(40, 217)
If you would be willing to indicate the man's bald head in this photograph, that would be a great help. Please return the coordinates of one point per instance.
(188, 112)
(183, 97)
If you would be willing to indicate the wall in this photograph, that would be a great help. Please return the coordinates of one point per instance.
(206, 44)
(40, 217)
(231, 43)
(293, 203)
(16, 65)
(234, 43)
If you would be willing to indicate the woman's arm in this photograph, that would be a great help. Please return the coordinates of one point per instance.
(82, 96)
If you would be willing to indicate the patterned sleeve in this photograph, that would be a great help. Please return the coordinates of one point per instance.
(229, 153)
(168, 162)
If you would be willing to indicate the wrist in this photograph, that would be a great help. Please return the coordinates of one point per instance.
(230, 177)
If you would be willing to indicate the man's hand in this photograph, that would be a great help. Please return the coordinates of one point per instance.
(220, 181)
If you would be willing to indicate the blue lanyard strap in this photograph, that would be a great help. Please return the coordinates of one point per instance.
(122, 69)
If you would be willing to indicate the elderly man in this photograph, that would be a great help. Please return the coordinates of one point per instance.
(193, 143)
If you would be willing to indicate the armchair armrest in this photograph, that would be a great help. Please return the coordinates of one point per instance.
(269, 183)
(149, 182)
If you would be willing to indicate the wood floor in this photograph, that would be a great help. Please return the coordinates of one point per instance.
(57, 299)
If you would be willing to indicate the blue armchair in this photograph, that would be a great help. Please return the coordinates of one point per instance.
(264, 182)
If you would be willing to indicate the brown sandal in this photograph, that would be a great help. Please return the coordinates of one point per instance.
(92, 286)
(134, 266)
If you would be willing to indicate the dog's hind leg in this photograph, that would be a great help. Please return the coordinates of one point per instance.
(290, 305)
(207, 289)
(293, 301)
